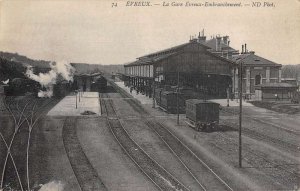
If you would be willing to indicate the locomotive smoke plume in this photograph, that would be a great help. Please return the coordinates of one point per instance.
(47, 80)
(52, 186)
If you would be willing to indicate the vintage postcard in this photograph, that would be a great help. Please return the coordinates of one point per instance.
(125, 95)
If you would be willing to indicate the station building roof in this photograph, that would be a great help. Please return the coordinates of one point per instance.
(163, 54)
(88, 75)
(252, 59)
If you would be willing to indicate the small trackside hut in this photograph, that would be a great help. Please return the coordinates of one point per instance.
(202, 115)
(90, 82)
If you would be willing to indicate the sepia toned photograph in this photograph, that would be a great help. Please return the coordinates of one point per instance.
(125, 95)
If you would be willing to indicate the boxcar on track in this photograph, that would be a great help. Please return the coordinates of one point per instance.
(202, 115)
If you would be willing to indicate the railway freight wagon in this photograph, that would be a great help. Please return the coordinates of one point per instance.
(168, 102)
(99, 84)
(202, 115)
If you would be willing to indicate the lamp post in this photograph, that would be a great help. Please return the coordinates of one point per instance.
(153, 89)
(79, 95)
(76, 98)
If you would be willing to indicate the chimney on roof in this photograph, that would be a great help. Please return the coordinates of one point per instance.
(193, 38)
(251, 52)
(246, 51)
(225, 40)
(218, 43)
(228, 42)
(201, 38)
(242, 49)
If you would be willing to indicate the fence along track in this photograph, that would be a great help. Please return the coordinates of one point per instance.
(156, 173)
(85, 173)
(173, 143)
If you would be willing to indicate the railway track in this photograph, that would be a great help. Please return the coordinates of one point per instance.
(22, 109)
(85, 173)
(266, 138)
(202, 173)
(264, 122)
(156, 173)
(258, 154)
(198, 169)
(286, 174)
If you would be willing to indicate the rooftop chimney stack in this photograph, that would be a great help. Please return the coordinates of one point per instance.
(201, 38)
(218, 43)
(242, 49)
(246, 51)
(225, 40)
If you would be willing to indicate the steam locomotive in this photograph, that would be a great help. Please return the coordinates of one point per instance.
(21, 86)
(99, 84)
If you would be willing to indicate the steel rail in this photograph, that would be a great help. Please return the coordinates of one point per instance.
(201, 161)
(138, 108)
(143, 152)
(194, 177)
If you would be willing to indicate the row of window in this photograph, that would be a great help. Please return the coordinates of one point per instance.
(142, 70)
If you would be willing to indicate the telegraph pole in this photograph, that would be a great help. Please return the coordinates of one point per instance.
(227, 91)
(240, 113)
(153, 89)
(177, 96)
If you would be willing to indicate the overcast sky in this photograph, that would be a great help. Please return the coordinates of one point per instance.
(93, 32)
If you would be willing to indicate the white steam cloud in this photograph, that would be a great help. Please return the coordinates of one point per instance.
(47, 80)
(52, 186)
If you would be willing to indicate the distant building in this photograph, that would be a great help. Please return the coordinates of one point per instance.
(83, 82)
(256, 71)
(292, 81)
(275, 92)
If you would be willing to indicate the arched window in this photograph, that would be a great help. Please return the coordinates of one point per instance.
(257, 79)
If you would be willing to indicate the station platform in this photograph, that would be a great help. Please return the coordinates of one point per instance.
(89, 102)
(233, 103)
(146, 100)
(142, 98)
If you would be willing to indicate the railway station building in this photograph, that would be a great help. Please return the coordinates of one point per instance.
(205, 66)
(257, 71)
